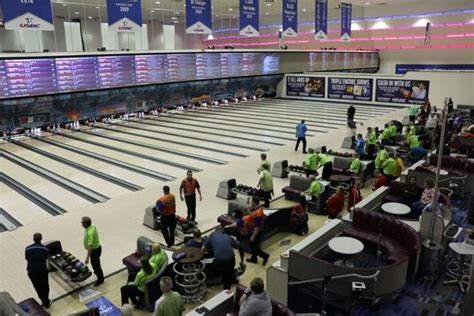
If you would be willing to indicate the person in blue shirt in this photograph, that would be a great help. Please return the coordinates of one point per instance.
(417, 153)
(36, 255)
(360, 145)
(301, 130)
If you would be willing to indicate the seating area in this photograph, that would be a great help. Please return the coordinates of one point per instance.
(30, 306)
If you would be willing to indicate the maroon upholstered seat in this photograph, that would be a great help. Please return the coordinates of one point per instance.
(32, 307)
(395, 192)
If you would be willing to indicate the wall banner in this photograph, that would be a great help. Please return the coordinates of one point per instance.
(321, 20)
(402, 91)
(290, 18)
(346, 21)
(198, 17)
(359, 89)
(124, 15)
(249, 18)
(300, 86)
(34, 15)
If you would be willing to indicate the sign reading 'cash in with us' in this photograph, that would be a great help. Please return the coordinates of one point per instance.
(28, 15)
(198, 17)
(290, 18)
(249, 24)
(321, 20)
(124, 15)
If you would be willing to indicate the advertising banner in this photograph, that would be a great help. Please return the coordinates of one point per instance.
(402, 91)
(106, 308)
(350, 88)
(28, 15)
(300, 86)
(290, 18)
(198, 17)
(321, 20)
(249, 23)
(124, 15)
(346, 21)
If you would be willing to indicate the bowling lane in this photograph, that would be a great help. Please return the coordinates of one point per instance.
(145, 163)
(187, 149)
(170, 140)
(22, 209)
(118, 172)
(95, 183)
(44, 187)
(330, 105)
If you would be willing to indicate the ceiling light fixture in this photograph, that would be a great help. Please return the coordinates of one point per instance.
(367, 3)
(76, 12)
(152, 11)
(266, 13)
(230, 9)
(158, 2)
(64, 5)
(304, 10)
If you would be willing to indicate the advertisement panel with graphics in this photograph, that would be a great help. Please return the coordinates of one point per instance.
(402, 91)
(359, 89)
(300, 86)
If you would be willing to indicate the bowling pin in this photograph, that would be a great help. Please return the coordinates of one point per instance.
(39, 132)
(244, 99)
(4, 135)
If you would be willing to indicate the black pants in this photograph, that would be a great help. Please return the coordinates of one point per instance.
(191, 205)
(370, 151)
(327, 170)
(310, 172)
(41, 284)
(267, 195)
(303, 200)
(131, 292)
(412, 118)
(301, 139)
(226, 269)
(168, 226)
(95, 263)
(256, 250)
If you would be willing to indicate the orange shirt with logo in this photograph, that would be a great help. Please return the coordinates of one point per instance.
(167, 204)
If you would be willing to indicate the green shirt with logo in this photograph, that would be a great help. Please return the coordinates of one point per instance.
(91, 237)
(266, 183)
(355, 165)
(389, 166)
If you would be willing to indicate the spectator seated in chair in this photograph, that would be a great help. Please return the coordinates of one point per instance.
(157, 258)
(380, 157)
(311, 162)
(399, 166)
(197, 240)
(255, 301)
(335, 203)
(417, 153)
(426, 198)
(411, 192)
(385, 136)
(379, 181)
(389, 168)
(313, 192)
(354, 195)
(135, 291)
(354, 169)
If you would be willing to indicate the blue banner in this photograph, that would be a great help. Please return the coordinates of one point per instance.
(401, 69)
(124, 15)
(198, 17)
(106, 308)
(350, 88)
(300, 86)
(28, 15)
(321, 20)
(249, 23)
(402, 91)
(290, 18)
(346, 21)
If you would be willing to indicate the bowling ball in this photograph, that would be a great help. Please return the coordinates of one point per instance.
(68, 270)
(74, 261)
(84, 269)
(64, 265)
(78, 265)
(74, 273)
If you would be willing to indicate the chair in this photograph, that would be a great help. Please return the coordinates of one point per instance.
(152, 288)
(443, 231)
(132, 261)
(297, 185)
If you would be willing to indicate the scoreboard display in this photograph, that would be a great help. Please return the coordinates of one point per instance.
(26, 77)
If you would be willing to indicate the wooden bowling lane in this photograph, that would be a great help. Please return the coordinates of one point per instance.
(95, 183)
(339, 107)
(55, 193)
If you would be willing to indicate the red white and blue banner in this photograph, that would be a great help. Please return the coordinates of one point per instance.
(290, 18)
(249, 23)
(198, 17)
(321, 20)
(350, 88)
(346, 21)
(124, 15)
(28, 15)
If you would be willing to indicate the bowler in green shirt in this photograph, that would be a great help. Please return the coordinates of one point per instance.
(389, 167)
(265, 183)
(355, 165)
(381, 157)
(93, 247)
(135, 291)
(313, 191)
(310, 162)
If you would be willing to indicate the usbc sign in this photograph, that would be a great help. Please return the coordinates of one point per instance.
(28, 15)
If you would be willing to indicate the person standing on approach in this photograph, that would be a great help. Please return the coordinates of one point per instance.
(301, 130)
(36, 255)
(324, 160)
(189, 186)
(263, 161)
(360, 146)
(351, 111)
(93, 247)
(166, 205)
(450, 105)
(371, 142)
(265, 184)
(311, 162)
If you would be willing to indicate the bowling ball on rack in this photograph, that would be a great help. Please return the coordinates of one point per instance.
(78, 265)
(68, 270)
(64, 265)
(74, 261)
(84, 269)
(74, 273)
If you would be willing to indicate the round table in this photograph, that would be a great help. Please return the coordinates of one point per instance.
(346, 246)
(190, 275)
(396, 208)
(339, 180)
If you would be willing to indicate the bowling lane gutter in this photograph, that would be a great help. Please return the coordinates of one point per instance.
(158, 148)
(125, 184)
(103, 126)
(7, 221)
(115, 162)
(132, 153)
(34, 197)
(200, 138)
(217, 129)
(74, 187)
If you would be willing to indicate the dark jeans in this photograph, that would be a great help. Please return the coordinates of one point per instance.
(327, 170)
(417, 209)
(41, 284)
(226, 269)
(255, 248)
(131, 292)
(95, 263)
(267, 195)
(191, 204)
(301, 139)
(168, 226)
(370, 151)
(412, 118)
